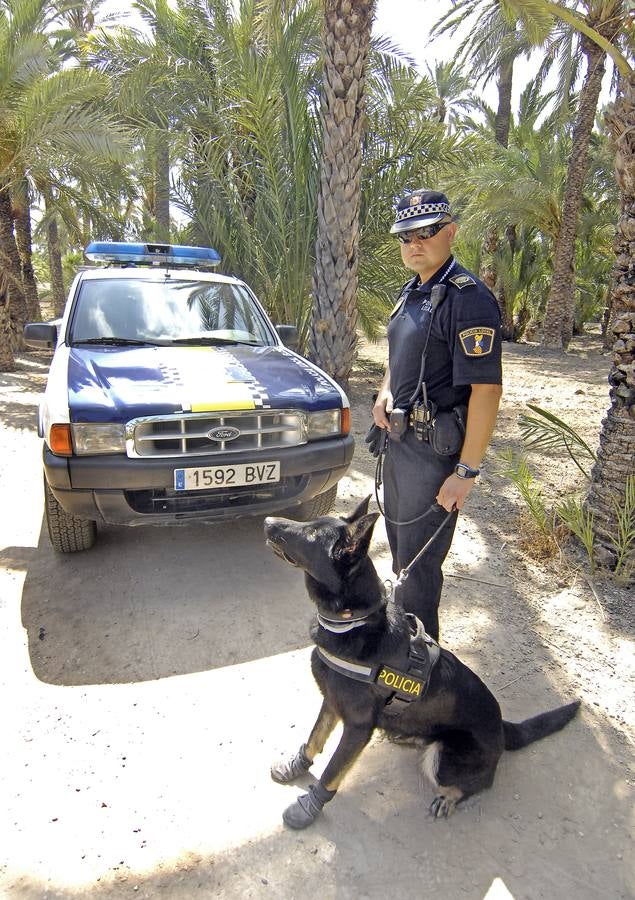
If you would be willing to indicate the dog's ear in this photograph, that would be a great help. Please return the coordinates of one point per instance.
(359, 511)
(356, 540)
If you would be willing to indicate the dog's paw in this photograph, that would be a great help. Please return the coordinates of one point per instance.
(442, 807)
(307, 807)
(287, 770)
(303, 812)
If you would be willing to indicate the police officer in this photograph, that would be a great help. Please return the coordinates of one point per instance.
(462, 376)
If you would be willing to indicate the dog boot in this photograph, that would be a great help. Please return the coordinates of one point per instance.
(289, 769)
(307, 807)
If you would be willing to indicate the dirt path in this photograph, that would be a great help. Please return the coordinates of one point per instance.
(150, 682)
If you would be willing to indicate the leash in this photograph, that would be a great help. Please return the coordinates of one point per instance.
(406, 572)
(434, 507)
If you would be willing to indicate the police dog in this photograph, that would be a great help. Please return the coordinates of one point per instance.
(374, 672)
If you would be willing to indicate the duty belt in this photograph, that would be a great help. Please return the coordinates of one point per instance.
(403, 685)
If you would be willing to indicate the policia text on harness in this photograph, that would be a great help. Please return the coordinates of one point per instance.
(402, 685)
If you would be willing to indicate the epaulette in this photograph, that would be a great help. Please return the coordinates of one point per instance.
(461, 281)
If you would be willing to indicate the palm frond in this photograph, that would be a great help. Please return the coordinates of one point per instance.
(547, 431)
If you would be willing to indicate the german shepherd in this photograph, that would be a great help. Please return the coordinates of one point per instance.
(363, 665)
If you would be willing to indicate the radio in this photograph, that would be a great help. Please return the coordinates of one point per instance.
(423, 415)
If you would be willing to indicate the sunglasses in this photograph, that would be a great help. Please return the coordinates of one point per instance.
(421, 234)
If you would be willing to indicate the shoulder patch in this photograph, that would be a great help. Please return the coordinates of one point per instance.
(477, 341)
(461, 281)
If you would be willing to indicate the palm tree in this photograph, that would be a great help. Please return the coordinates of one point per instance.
(346, 41)
(452, 89)
(605, 17)
(617, 436)
(609, 478)
(491, 48)
(49, 117)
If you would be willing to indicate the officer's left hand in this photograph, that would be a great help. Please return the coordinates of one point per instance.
(454, 492)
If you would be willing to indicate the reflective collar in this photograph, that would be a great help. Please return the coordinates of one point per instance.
(339, 624)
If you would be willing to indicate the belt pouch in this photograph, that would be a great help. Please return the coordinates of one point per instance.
(447, 432)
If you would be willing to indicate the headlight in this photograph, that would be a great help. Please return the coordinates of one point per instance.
(324, 424)
(92, 439)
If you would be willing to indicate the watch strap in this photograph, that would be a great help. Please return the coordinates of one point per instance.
(465, 471)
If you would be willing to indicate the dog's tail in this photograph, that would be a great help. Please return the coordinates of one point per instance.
(519, 734)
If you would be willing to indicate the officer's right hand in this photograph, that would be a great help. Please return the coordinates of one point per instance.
(382, 409)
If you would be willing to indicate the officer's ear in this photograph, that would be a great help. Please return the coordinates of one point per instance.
(452, 229)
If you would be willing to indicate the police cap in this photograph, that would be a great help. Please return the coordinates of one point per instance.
(418, 208)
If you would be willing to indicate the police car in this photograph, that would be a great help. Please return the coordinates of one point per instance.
(171, 397)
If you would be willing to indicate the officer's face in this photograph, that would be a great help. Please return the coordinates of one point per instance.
(425, 257)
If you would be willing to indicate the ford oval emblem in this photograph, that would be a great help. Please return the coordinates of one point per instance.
(224, 433)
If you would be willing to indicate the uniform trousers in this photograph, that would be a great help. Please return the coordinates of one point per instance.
(413, 474)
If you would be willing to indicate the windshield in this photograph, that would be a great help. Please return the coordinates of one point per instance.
(137, 310)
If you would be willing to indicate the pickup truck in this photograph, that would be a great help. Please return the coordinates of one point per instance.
(171, 396)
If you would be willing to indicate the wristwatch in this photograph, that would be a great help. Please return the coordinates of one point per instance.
(464, 471)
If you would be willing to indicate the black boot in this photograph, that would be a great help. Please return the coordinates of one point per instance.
(307, 807)
(289, 769)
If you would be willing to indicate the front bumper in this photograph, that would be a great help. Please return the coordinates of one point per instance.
(123, 491)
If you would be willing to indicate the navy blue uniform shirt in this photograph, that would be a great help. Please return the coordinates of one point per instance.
(465, 339)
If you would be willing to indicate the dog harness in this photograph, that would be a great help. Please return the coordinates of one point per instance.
(403, 685)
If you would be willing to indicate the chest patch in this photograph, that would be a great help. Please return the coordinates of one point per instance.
(477, 341)
(461, 281)
(407, 686)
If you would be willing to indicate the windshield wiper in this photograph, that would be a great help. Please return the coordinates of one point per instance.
(115, 342)
(211, 341)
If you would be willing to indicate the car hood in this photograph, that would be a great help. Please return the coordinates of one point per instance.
(114, 384)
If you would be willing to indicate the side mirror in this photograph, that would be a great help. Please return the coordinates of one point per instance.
(40, 335)
(289, 335)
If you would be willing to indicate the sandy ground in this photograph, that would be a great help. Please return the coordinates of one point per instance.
(149, 683)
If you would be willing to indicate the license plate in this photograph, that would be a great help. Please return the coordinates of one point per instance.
(239, 475)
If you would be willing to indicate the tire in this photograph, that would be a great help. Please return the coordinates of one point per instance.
(68, 534)
(316, 506)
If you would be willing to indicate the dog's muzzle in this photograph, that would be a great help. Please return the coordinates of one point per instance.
(280, 552)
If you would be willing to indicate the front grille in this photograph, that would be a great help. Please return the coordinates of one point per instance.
(187, 434)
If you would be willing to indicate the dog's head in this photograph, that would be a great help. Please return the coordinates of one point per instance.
(330, 550)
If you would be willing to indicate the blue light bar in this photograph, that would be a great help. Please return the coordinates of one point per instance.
(152, 254)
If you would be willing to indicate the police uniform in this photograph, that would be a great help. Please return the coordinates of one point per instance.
(464, 348)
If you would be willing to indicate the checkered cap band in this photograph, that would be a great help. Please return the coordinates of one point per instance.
(421, 209)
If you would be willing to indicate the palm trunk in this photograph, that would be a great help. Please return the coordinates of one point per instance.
(11, 272)
(24, 242)
(617, 438)
(162, 187)
(558, 325)
(7, 361)
(504, 112)
(55, 268)
(346, 39)
(488, 272)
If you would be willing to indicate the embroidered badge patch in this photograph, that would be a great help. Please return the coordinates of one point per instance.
(477, 341)
(461, 281)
